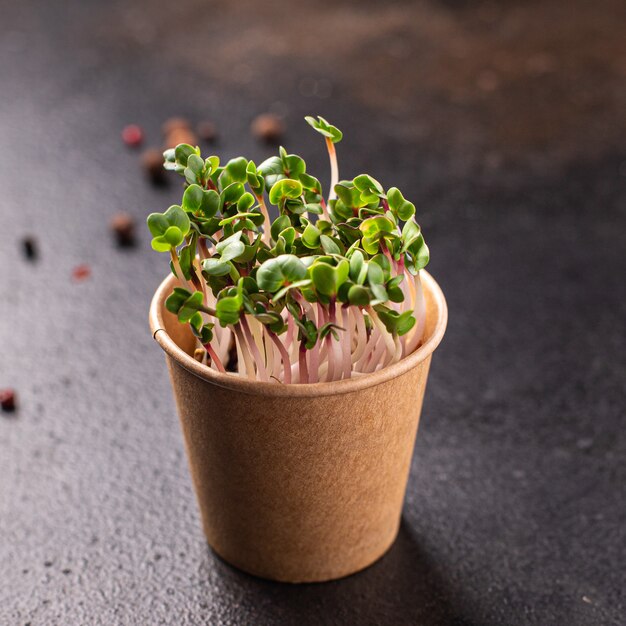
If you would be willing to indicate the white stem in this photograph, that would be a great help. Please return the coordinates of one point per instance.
(391, 348)
(242, 351)
(361, 334)
(371, 344)
(260, 364)
(398, 353)
(376, 355)
(331, 358)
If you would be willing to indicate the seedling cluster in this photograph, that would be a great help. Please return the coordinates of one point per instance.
(328, 290)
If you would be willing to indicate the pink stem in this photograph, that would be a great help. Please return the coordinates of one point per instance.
(260, 363)
(329, 344)
(346, 342)
(325, 210)
(214, 358)
(304, 373)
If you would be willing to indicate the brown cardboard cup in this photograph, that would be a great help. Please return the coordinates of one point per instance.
(298, 483)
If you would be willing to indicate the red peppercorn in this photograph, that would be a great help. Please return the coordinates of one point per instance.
(81, 272)
(152, 162)
(132, 135)
(207, 131)
(174, 123)
(268, 128)
(7, 399)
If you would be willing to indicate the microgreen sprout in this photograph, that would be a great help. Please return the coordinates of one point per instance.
(328, 290)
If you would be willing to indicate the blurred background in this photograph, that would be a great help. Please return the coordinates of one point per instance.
(504, 122)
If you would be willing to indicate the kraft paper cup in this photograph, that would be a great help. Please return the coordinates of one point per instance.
(298, 483)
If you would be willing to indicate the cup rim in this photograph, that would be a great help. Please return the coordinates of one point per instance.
(244, 385)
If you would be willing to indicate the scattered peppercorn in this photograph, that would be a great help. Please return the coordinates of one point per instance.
(268, 127)
(29, 246)
(132, 135)
(174, 123)
(123, 227)
(207, 131)
(81, 272)
(8, 400)
(180, 135)
(152, 163)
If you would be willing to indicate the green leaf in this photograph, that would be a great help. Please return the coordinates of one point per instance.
(177, 217)
(228, 309)
(395, 293)
(190, 307)
(313, 207)
(401, 208)
(272, 170)
(383, 262)
(311, 183)
(196, 164)
(297, 285)
(420, 252)
(348, 194)
(185, 258)
(374, 225)
(374, 229)
(358, 296)
(160, 244)
(224, 243)
(245, 202)
(375, 274)
(237, 168)
(275, 273)
(329, 246)
(396, 323)
(371, 190)
(157, 223)
(410, 234)
(323, 276)
(192, 198)
(231, 193)
(324, 128)
(176, 299)
(232, 251)
(204, 333)
(183, 151)
(356, 264)
(327, 279)
(293, 166)
(289, 235)
(285, 189)
(278, 225)
(200, 201)
(174, 236)
(215, 267)
(311, 237)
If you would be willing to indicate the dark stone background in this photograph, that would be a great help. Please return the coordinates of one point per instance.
(505, 123)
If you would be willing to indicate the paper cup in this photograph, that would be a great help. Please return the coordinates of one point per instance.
(298, 483)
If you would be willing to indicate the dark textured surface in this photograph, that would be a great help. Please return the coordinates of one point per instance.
(503, 121)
